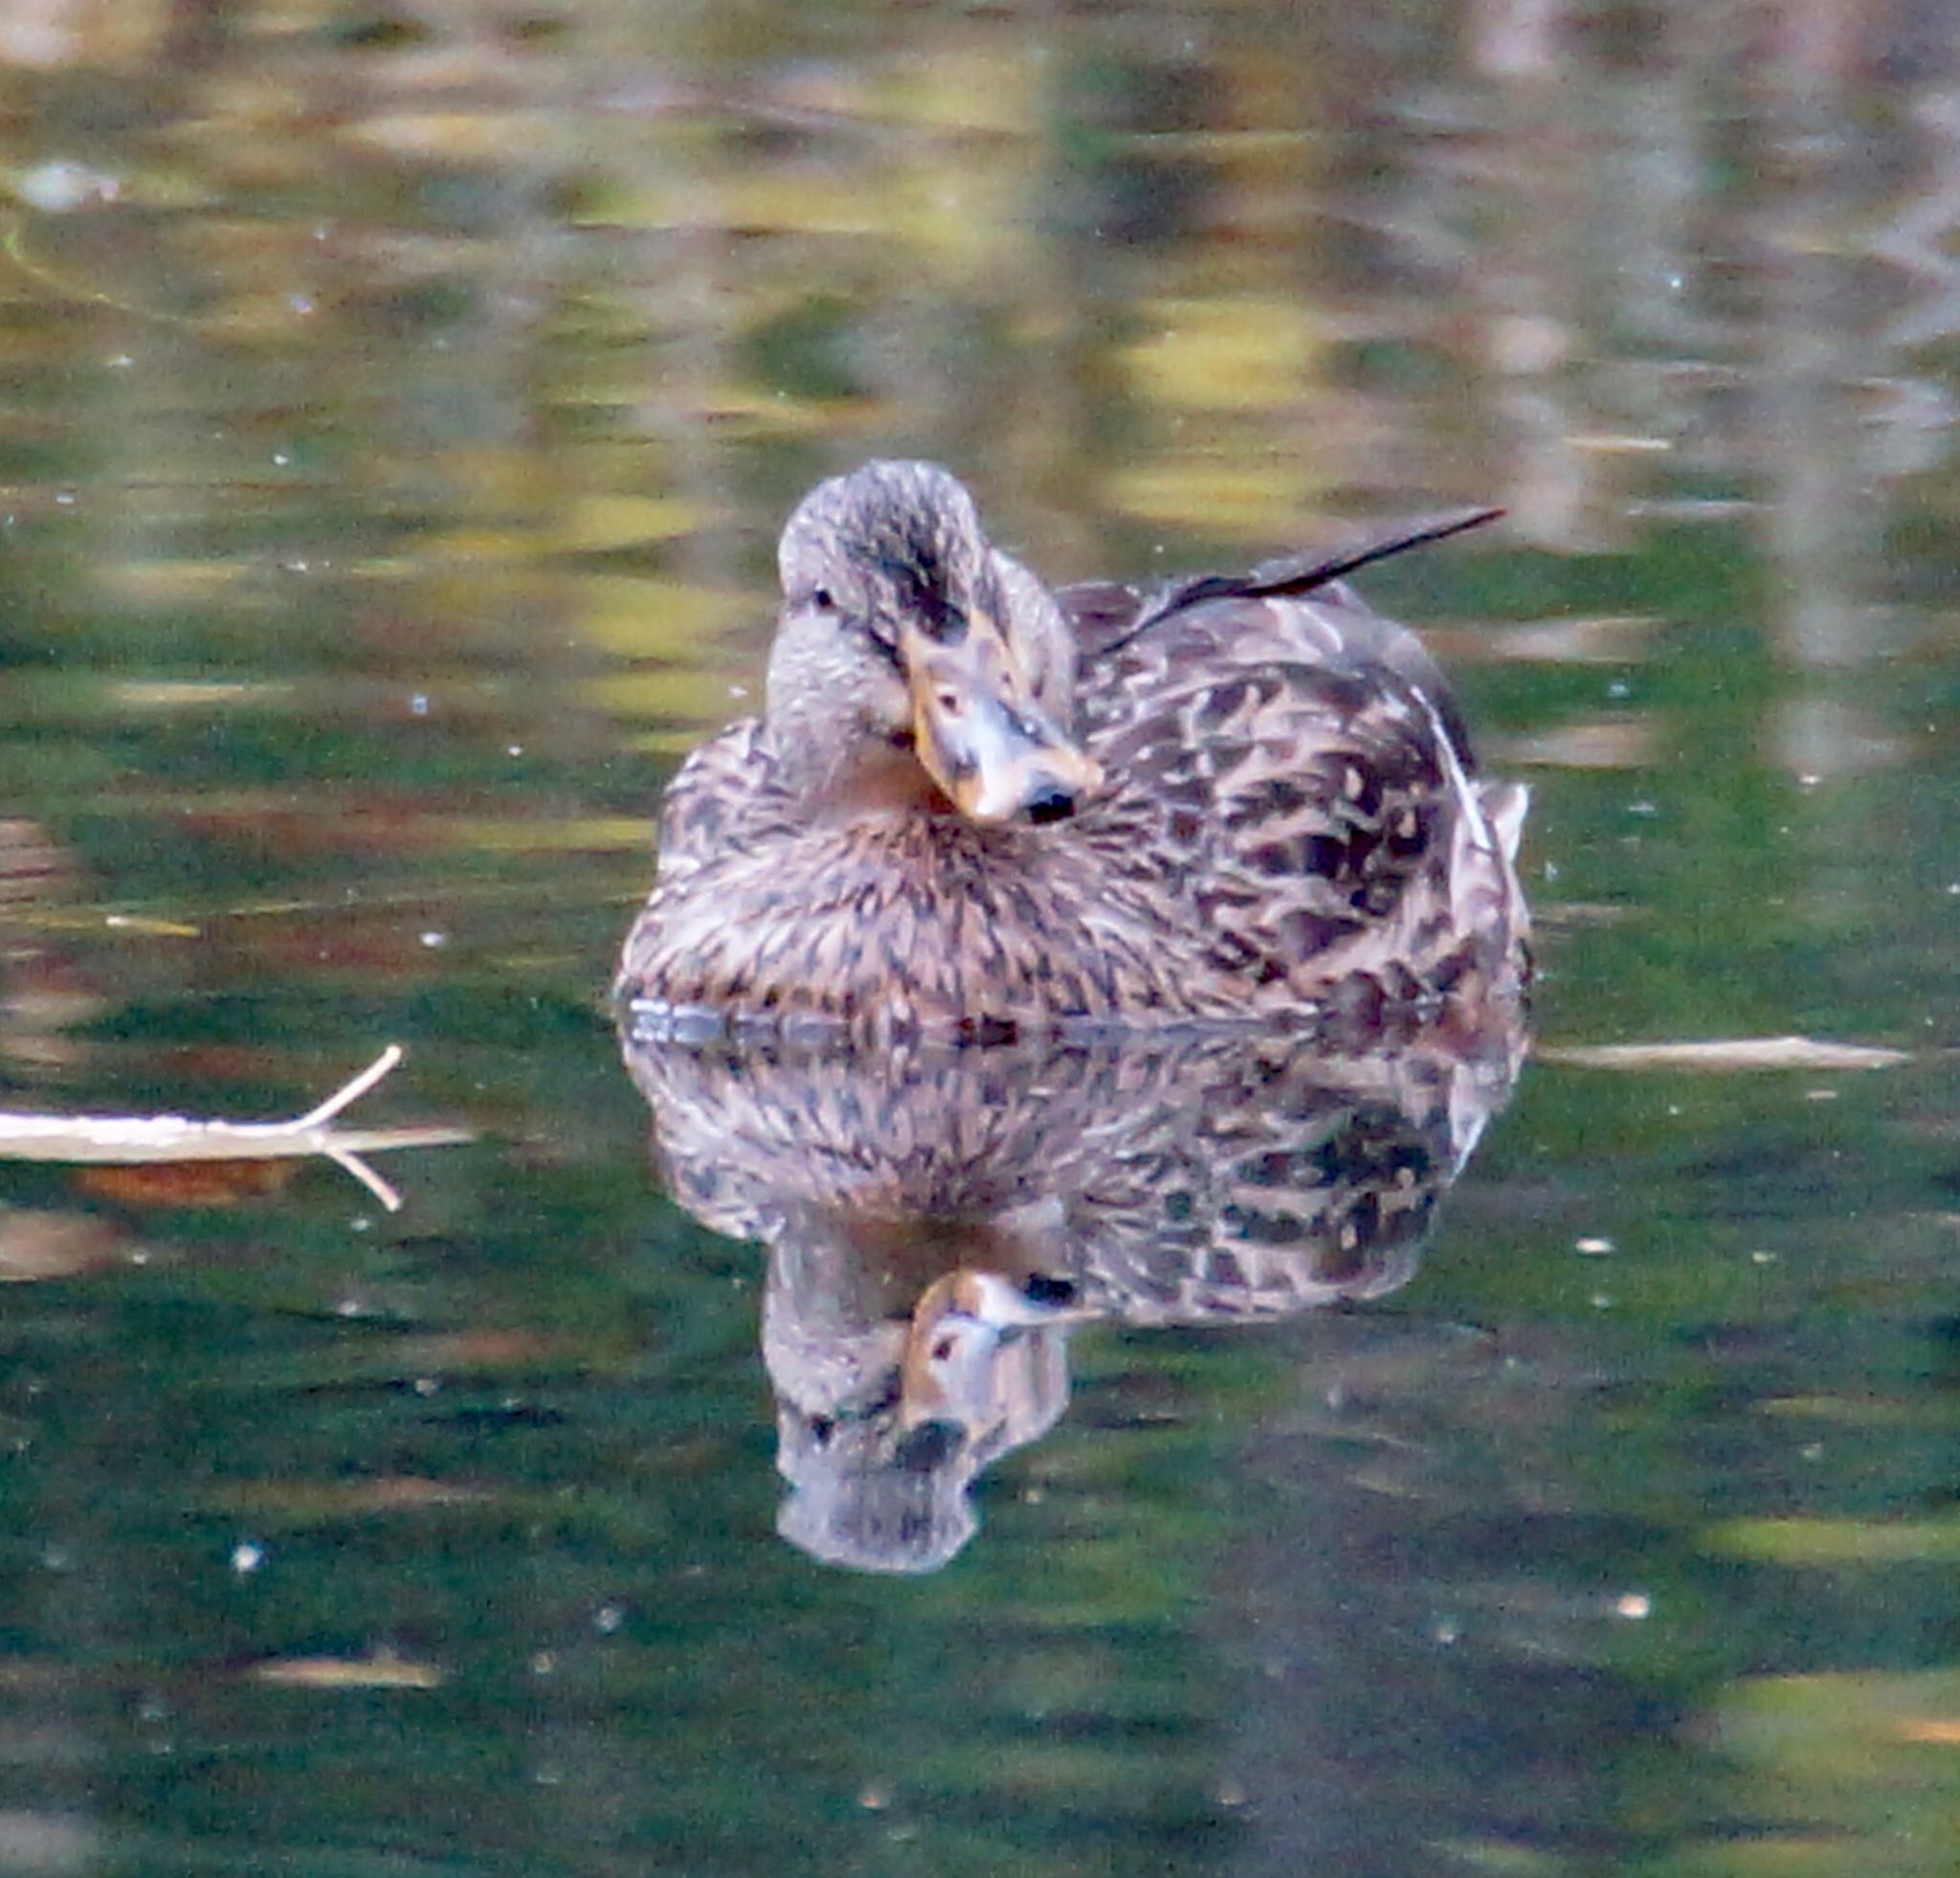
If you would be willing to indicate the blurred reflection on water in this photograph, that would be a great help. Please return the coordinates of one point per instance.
(399, 407)
(940, 1221)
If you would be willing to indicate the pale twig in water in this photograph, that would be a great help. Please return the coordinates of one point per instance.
(1726, 1053)
(138, 1140)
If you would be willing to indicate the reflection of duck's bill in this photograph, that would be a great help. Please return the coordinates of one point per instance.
(993, 752)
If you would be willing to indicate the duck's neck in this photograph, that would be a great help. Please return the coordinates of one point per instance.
(882, 783)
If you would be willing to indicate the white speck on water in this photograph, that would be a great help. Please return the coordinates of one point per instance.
(1593, 1248)
(58, 186)
(1601, 1301)
(1447, 1631)
(513, 749)
(121, 362)
(1642, 808)
(280, 459)
(432, 939)
(1633, 1605)
(64, 499)
(1808, 781)
(418, 703)
(427, 1385)
(247, 1557)
(301, 304)
(608, 1619)
(1618, 688)
(1761, 1258)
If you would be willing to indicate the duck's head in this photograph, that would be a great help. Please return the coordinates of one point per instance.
(914, 663)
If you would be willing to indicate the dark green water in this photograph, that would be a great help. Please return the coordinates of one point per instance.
(399, 411)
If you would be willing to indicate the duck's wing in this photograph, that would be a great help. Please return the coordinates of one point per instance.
(1297, 762)
(1105, 614)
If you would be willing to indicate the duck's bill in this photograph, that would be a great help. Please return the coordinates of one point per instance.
(992, 751)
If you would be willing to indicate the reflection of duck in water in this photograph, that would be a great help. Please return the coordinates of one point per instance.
(974, 805)
(940, 1220)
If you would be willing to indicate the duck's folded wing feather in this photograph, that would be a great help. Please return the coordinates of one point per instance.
(1107, 614)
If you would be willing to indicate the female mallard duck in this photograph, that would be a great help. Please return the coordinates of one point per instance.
(976, 807)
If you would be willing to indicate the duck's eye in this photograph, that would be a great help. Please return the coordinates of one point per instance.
(949, 704)
(824, 600)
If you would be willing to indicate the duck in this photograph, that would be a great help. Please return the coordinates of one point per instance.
(977, 807)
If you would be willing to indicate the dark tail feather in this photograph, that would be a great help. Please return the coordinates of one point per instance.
(1297, 574)
(1301, 574)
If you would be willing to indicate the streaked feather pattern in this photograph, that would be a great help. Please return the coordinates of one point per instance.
(940, 1220)
(1287, 828)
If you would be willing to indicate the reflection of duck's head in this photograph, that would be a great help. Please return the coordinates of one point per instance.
(879, 1481)
(950, 1375)
(913, 663)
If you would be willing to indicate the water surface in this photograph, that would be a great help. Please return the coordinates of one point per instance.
(401, 406)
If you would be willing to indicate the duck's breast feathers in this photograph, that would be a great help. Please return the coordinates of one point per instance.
(724, 783)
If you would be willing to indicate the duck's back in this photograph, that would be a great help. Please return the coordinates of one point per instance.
(1297, 766)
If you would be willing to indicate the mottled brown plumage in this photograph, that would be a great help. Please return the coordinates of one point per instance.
(940, 1221)
(977, 808)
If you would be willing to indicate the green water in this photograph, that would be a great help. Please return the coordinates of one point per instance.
(400, 408)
